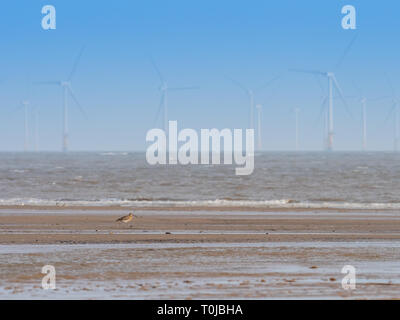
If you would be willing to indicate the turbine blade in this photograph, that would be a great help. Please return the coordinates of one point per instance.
(390, 113)
(322, 73)
(240, 85)
(77, 102)
(75, 65)
(17, 108)
(321, 110)
(342, 96)
(345, 53)
(268, 83)
(320, 84)
(157, 69)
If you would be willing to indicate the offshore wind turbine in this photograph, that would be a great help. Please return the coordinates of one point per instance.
(164, 90)
(324, 113)
(67, 90)
(361, 97)
(332, 85)
(25, 105)
(250, 94)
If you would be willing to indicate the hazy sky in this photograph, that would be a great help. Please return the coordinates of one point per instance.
(196, 43)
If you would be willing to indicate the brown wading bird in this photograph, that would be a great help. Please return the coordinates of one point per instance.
(126, 219)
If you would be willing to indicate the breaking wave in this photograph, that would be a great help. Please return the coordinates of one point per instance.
(217, 203)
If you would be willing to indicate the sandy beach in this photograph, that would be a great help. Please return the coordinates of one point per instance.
(192, 254)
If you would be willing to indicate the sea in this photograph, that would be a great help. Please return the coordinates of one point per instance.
(338, 180)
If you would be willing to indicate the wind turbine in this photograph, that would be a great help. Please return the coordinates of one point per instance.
(259, 111)
(250, 93)
(332, 83)
(67, 90)
(361, 97)
(165, 89)
(25, 105)
(323, 112)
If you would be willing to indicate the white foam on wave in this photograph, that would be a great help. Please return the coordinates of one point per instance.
(218, 203)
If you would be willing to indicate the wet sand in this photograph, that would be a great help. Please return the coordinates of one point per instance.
(176, 254)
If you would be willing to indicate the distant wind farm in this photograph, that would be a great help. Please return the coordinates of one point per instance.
(259, 108)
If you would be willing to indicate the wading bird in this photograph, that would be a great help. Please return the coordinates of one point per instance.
(126, 219)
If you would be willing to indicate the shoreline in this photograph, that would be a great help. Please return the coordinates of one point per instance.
(190, 208)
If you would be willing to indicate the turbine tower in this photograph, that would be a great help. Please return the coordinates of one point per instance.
(67, 90)
(164, 89)
(259, 112)
(363, 100)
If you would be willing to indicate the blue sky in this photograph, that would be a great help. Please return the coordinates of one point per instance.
(196, 43)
